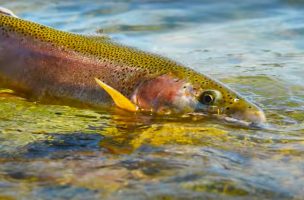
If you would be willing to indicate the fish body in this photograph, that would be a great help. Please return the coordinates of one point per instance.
(45, 63)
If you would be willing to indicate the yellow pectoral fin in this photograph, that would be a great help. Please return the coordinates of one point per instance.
(119, 99)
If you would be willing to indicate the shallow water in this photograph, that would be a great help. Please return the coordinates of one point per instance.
(257, 48)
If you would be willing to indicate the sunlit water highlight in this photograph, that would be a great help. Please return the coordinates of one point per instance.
(255, 47)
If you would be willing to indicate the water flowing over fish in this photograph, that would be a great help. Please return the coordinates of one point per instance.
(52, 65)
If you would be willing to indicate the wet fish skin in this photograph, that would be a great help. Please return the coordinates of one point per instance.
(47, 63)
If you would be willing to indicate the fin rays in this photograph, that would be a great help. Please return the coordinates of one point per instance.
(119, 99)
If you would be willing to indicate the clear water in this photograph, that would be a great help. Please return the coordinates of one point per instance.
(256, 47)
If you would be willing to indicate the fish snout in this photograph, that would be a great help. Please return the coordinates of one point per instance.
(254, 115)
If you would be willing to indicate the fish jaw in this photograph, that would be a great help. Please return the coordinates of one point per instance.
(246, 111)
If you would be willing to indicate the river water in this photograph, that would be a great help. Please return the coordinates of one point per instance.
(255, 47)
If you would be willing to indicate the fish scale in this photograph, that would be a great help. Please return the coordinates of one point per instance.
(100, 47)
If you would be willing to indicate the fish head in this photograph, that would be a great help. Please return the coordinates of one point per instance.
(169, 93)
(198, 94)
(208, 96)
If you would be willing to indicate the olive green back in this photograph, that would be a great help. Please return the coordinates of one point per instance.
(99, 47)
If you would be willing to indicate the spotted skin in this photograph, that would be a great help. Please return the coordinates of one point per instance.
(123, 68)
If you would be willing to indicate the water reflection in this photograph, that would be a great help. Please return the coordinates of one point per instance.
(150, 130)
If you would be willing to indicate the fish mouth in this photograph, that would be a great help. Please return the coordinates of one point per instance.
(239, 122)
(254, 117)
(257, 124)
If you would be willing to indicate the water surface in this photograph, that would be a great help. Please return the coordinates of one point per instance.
(255, 47)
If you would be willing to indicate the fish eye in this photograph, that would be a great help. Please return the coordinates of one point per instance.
(208, 97)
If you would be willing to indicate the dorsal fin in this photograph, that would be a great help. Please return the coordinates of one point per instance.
(6, 11)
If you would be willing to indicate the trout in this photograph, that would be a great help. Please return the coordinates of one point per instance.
(47, 64)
